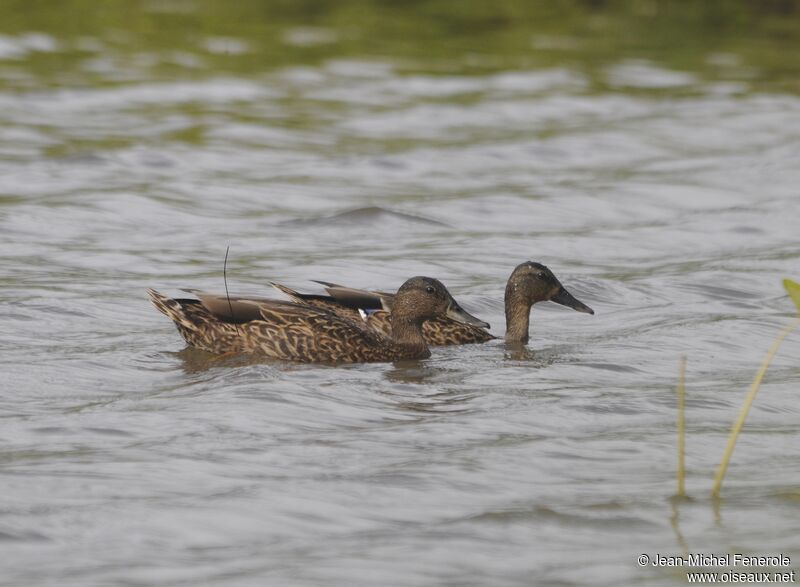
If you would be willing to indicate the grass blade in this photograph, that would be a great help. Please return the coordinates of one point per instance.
(793, 289)
(748, 401)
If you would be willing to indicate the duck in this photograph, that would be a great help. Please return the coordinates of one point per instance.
(529, 283)
(301, 332)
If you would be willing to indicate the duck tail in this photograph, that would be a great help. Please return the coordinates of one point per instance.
(288, 292)
(172, 309)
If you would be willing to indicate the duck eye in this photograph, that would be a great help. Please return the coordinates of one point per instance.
(540, 275)
(429, 289)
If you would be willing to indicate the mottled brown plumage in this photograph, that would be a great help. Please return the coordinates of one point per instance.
(529, 283)
(377, 306)
(301, 332)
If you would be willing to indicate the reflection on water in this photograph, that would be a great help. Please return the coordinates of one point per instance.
(194, 360)
(412, 372)
(521, 352)
(645, 151)
(675, 521)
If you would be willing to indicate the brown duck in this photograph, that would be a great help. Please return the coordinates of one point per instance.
(528, 284)
(301, 332)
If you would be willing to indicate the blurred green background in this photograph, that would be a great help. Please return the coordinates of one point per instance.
(754, 41)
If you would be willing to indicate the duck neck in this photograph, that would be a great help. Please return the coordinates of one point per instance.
(408, 332)
(518, 314)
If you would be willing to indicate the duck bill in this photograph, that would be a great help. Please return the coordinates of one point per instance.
(565, 298)
(457, 313)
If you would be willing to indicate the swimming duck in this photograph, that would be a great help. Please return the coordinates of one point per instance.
(373, 309)
(300, 332)
(529, 283)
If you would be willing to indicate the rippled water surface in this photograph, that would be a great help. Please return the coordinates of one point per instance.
(659, 181)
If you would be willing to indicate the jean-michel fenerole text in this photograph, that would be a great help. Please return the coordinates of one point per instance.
(720, 560)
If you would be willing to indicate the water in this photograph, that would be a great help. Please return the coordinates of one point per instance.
(657, 180)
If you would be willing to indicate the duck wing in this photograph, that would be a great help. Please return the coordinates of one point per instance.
(327, 303)
(358, 298)
(232, 309)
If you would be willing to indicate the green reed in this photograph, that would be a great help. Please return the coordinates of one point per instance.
(793, 290)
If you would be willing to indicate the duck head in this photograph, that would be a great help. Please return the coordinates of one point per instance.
(423, 298)
(530, 283)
